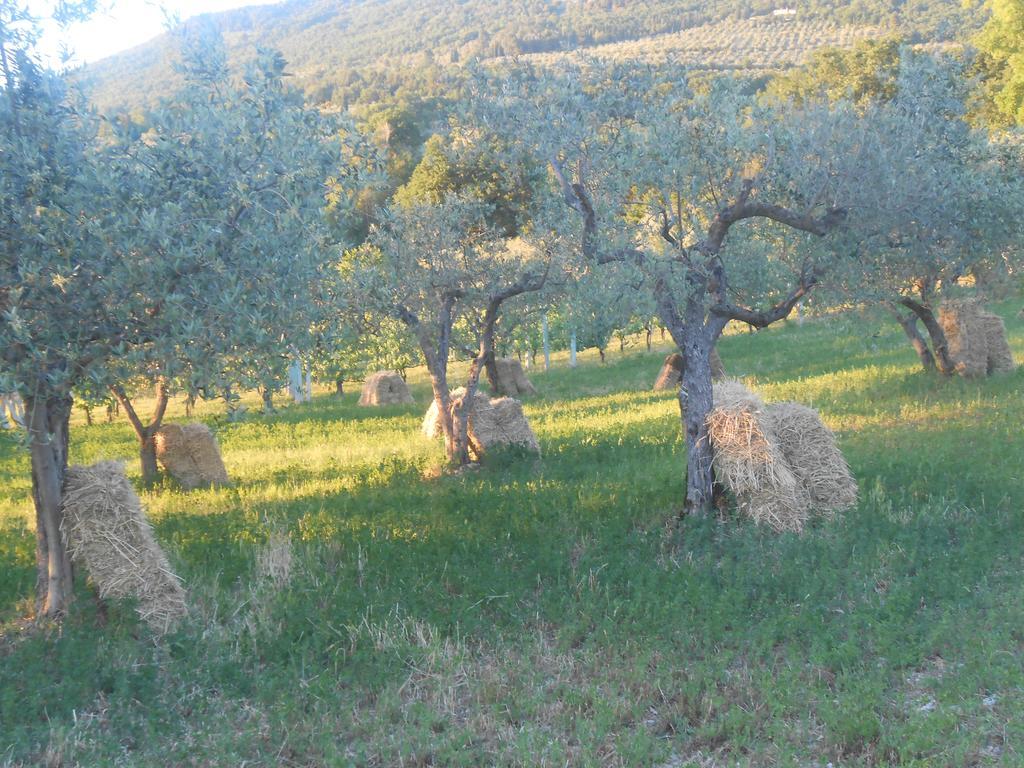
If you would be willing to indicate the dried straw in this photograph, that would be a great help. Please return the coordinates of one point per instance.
(811, 450)
(671, 374)
(966, 337)
(1000, 356)
(385, 388)
(502, 422)
(492, 422)
(749, 461)
(191, 456)
(107, 532)
(511, 378)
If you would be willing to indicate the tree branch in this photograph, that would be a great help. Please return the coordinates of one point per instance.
(129, 409)
(728, 310)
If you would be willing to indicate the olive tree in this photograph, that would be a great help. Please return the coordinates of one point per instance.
(972, 229)
(355, 342)
(61, 290)
(225, 193)
(445, 273)
(115, 266)
(689, 184)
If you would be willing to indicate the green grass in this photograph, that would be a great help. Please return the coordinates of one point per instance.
(551, 612)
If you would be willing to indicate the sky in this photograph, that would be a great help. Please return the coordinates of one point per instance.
(122, 24)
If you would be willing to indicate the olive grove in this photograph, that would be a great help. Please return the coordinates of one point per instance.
(159, 259)
(693, 186)
(445, 272)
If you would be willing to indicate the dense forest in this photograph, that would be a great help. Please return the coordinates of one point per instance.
(360, 51)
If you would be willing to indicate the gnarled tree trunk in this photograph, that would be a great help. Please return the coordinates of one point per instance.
(146, 433)
(267, 397)
(909, 325)
(940, 345)
(695, 403)
(48, 422)
(490, 366)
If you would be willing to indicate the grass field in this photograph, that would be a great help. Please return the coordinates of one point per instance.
(350, 607)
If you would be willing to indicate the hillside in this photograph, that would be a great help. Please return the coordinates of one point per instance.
(339, 51)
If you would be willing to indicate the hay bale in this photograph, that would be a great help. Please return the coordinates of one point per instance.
(671, 374)
(107, 532)
(385, 388)
(976, 339)
(511, 378)
(1000, 356)
(748, 460)
(502, 423)
(431, 428)
(966, 337)
(492, 423)
(717, 367)
(190, 455)
(810, 449)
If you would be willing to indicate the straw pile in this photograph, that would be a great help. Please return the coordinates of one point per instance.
(107, 532)
(190, 455)
(779, 461)
(512, 379)
(671, 374)
(385, 388)
(1000, 356)
(976, 339)
(748, 460)
(811, 451)
(492, 422)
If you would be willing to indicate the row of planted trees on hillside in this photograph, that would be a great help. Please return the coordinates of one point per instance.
(200, 255)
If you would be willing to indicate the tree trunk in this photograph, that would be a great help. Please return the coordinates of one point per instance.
(48, 420)
(648, 332)
(695, 403)
(490, 366)
(547, 342)
(443, 400)
(622, 343)
(458, 452)
(940, 346)
(461, 437)
(909, 325)
(339, 387)
(600, 351)
(147, 456)
(268, 399)
(146, 433)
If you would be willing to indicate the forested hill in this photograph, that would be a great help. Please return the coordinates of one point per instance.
(339, 50)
